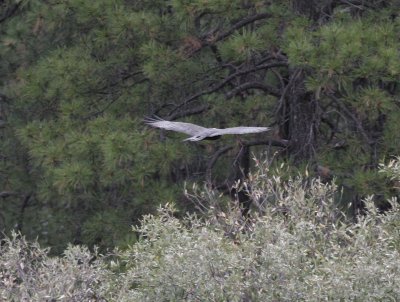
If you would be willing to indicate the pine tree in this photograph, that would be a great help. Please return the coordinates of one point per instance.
(78, 77)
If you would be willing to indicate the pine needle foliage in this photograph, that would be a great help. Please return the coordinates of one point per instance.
(77, 78)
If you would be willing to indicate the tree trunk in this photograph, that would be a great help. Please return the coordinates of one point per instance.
(242, 169)
(300, 119)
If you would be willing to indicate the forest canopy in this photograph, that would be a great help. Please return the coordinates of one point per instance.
(77, 78)
(95, 205)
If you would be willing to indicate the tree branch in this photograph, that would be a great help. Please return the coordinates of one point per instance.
(213, 160)
(6, 194)
(22, 212)
(10, 11)
(108, 105)
(353, 117)
(227, 80)
(268, 142)
(189, 112)
(253, 85)
(212, 39)
(282, 143)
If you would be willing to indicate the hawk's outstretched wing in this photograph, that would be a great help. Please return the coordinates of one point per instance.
(241, 130)
(188, 128)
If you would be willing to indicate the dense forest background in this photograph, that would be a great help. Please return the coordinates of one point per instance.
(78, 165)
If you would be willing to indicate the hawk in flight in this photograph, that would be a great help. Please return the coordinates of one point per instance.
(198, 133)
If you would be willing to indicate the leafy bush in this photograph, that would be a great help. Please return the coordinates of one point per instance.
(27, 273)
(296, 247)
(300, 248)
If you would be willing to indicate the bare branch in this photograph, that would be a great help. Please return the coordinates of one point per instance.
(236, 26)
(268, 142)
(253, 85)
(214, 159)
(282, 143)
(212, 37)
(225, 81)
(189, 112)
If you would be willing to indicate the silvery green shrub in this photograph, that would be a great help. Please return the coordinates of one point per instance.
(296, 246)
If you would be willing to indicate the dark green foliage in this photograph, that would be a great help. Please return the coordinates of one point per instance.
(77, 78)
